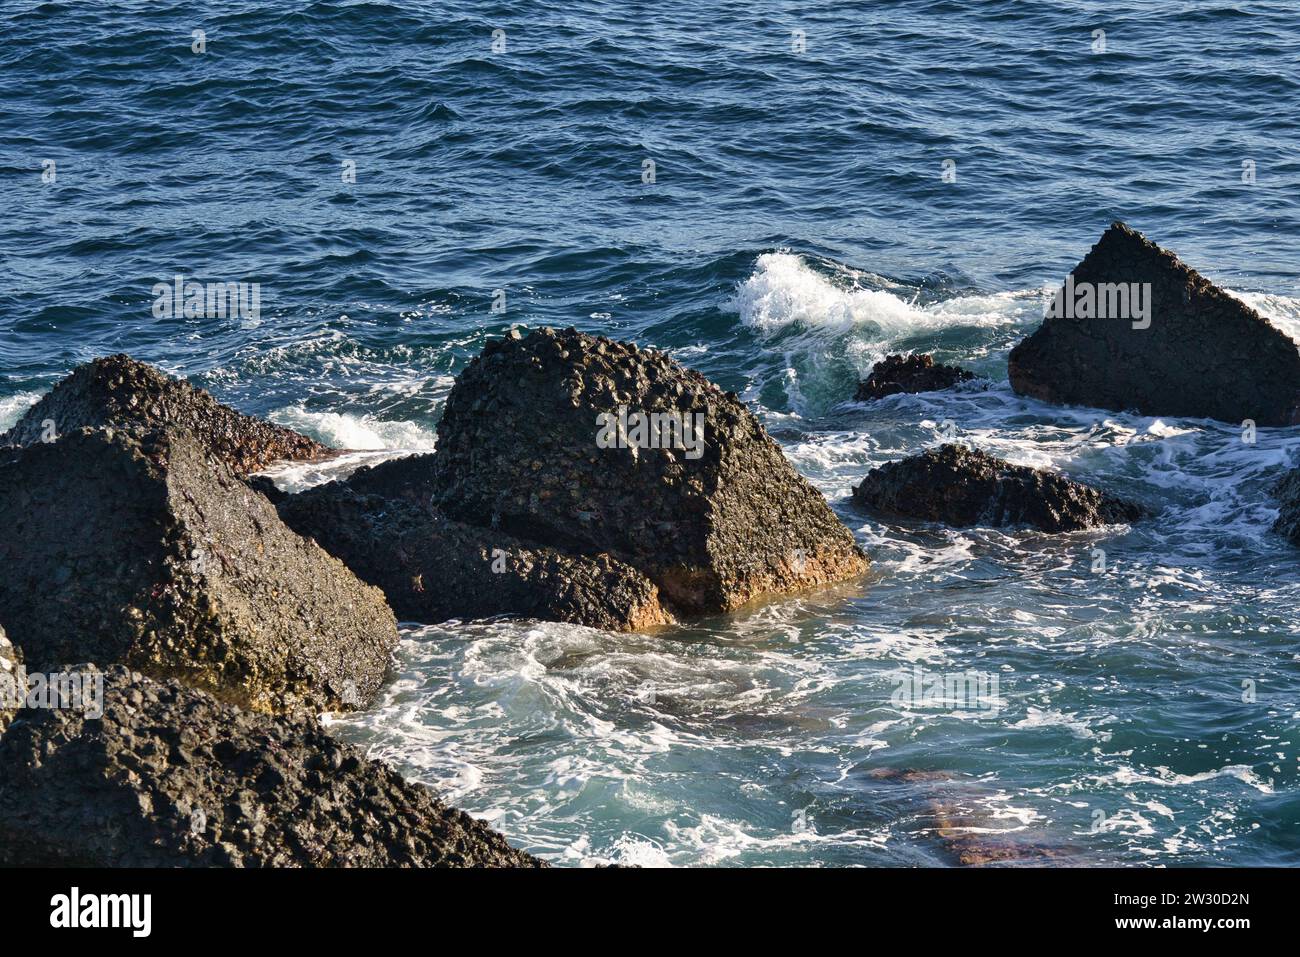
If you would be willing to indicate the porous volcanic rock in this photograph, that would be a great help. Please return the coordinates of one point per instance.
(409, 478)
(142, 548)
(1288, 495)
(964, 487)
(914, 373)
(172, 777)
(121, 392)
(432, 568)
(518, 452)
(1205, 354)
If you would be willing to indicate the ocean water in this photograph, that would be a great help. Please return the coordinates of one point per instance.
(798, 228)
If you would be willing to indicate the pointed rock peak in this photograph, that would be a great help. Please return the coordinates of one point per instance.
(1135, 328)
(118, 391)
(1121, 242)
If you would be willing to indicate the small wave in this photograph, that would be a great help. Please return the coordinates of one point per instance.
(12, 407)
(827, 324)
(1282, 311)
(342, 430)
(785, 292)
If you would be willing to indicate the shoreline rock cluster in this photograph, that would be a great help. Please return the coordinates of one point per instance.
(539, 519)
(172, 777)
(220, 615)
(1133, 328)
(576, 479)
(215, 633)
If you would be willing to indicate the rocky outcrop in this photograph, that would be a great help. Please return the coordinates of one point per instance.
(432, 568)
(1196, 351)
(1287, 493)
(119, 392)
(914, 373)
(143, 548)
(965, 487)
(591, 446)
(171, 777)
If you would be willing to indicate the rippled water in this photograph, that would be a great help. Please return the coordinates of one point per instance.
(798, 228)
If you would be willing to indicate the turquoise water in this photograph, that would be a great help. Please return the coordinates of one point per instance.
(798, 228)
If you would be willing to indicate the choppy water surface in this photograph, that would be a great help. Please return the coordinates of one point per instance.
(796, 231)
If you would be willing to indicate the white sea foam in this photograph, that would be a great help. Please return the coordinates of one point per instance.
(830, 323)
(12, 407)
(1167, 778)
(1282, 311)
(783, 291)
(299, 476)
(357, 432)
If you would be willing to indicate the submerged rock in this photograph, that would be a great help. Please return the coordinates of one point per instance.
(139, 547)
(432, 568)
(964, 487)
(588, 445)
(914, 373)
(1196, 351)
(1288, 495)
(953, 811)
(171, 777)
(118, 391)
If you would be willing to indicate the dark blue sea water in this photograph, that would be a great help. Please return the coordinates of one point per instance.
(797, 228)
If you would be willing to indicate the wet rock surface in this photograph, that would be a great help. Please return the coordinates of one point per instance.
(964, 487)
(11, 660)
(171, 777)
(432, 568)
(914, 373)
(1205, 354)
(409, 478)
(118, 391)
(1287, 492)
(141, 547)
(518, 452)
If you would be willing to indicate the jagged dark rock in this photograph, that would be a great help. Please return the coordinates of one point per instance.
(914, 373)
(409, 478)
(122, 392)
(1205, 354)
(432, 568)
(141, 547)
(171, 777)
(964, 487)
(517, 452)
(1287, 492)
